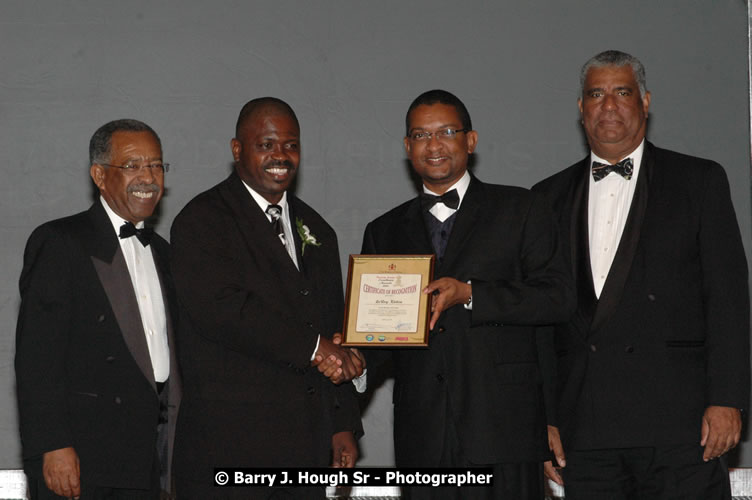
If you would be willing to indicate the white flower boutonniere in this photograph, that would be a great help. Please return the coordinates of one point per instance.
(306, 236)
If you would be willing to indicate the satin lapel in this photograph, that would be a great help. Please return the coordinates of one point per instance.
(160, 262)
(580, 244)
(415, 231)
(112, 270)
(465, 224)
(617, 275)
(254, 225)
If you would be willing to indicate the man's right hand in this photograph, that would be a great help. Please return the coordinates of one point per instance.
(337, 363)
(62, 473)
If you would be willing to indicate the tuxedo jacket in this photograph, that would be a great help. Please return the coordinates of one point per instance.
(251, 396)
(669, 335)
(83, 371)
(483, 369)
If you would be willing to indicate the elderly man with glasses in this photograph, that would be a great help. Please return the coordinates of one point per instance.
(97, 380)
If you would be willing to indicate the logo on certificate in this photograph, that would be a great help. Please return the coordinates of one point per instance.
(369, 338)
(382, 338)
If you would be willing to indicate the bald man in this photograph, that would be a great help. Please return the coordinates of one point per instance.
(263, 297)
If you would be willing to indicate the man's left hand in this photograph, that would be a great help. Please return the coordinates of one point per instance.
(450, 293)
(721, 430)
(344, 450)
(554, 444)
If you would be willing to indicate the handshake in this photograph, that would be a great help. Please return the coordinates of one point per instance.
(339, 364)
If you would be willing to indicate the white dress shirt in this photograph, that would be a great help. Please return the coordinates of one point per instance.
(608, 208)
(145, 280)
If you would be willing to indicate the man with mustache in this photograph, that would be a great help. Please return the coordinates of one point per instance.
(653, 368)
(258, 275)
(97, 379)
(474, 398)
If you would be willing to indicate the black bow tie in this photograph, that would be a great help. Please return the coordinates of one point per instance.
(144, 234)
(623, 168)
(451, 199)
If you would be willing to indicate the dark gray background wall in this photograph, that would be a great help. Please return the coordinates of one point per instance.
(350, 69)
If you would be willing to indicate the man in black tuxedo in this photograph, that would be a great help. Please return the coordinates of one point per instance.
(257, 272)
(97, 380)
(475, 396)
(653, 369)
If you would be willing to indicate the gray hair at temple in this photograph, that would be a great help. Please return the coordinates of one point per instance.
(101, 142)
(618, 59)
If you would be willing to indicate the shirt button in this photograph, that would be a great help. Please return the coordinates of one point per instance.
(440, 378)
(100, 319)
(311, 390)
(304, 292)
(592, 348)
(118, 400)
(629, 349)
(651, 297)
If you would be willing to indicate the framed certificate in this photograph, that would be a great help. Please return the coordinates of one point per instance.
(385, 304)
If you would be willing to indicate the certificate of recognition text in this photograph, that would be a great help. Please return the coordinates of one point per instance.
(389, 303)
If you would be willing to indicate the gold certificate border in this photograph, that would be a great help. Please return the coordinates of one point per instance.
(386, 264)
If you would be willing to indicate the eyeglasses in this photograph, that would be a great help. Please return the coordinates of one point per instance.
(445, 134)
(132, 168)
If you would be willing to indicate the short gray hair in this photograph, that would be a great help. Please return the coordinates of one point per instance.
(101, 141)
(618, 59)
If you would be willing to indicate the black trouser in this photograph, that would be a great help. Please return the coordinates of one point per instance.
(662, 473)
(202, 489)
(511, 481)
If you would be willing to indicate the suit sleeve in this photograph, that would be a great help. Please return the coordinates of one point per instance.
(346, 409)
(544, 292)
(725, 294)
(41, 339)
(544, 342)
(226, 305)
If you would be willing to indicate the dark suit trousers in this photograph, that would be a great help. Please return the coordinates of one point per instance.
(511, 481)
(192, 489)
(663, 473)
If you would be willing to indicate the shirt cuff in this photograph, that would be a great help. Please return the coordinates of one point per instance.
(469, 305)
(318, 339)
(361, 383)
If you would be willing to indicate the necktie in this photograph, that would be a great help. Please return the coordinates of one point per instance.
(275, 212)
(144, 234)
(451, 199)
(623, 168)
